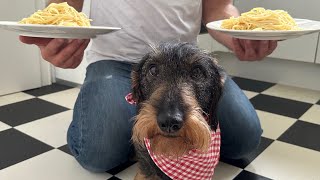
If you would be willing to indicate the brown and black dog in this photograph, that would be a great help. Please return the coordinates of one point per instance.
(177, 87)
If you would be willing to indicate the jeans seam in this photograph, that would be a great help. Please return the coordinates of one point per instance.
(81, 119)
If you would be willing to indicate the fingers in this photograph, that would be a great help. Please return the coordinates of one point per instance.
(244, 49)
(78, 61)
(250, 52)
(237, 48)
(253, 50)
(52, 48)
(272, 46)
(68, 52)
(72, 55)
(77, 56)
(35, 40)
(263, 49)
(64, 53)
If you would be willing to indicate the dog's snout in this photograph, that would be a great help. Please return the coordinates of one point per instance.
(170, 122)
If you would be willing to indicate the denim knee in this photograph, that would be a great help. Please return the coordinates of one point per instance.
(99, 134)
(243, 143)
(240, 126)
(93, 163)
(96, 158)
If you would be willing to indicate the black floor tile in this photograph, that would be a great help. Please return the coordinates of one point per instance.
(281, 106)
(303, 134)
(252, 85)
(27, 111)
(121, 167)
(246, 175)
(114, 178)
(65, 149)
(16, 147)
(47, 90)
(244, 162)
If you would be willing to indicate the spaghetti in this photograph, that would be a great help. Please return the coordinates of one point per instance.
(60, 14)
(259, 19)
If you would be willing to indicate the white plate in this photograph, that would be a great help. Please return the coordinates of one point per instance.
(308, 27)
(52, 31)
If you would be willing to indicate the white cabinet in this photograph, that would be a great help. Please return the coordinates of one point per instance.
(19, 63)
(299, 49)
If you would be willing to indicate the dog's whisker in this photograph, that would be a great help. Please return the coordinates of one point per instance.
(154, 49)
(201, 111)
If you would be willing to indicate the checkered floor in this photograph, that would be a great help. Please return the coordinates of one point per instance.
(33, 126)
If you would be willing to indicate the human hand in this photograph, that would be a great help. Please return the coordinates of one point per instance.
(252, 50)
(61, 53)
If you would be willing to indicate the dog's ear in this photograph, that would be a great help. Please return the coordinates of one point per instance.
(216, 96)
(221, 71)
(136, 83)
(136, 76)
(223, 75)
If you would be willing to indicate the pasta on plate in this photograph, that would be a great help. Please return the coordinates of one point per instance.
(258, 19)
(60, 14)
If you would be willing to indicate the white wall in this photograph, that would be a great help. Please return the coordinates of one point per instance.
(19, 63)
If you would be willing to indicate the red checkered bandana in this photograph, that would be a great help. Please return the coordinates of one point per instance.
(130, 99)
(192, 166)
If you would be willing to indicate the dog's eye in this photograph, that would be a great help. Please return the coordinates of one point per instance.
(153, 70)
(197, 73)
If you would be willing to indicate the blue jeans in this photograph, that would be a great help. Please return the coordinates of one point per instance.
(100, 132)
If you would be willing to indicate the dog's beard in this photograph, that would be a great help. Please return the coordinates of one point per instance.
(195, 133)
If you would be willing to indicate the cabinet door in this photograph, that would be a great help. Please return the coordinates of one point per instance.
(318, 54)
(299, 49)
(19, 63)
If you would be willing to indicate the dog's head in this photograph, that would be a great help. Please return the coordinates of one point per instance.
(177, 87)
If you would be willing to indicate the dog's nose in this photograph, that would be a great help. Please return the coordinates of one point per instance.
(170, 122)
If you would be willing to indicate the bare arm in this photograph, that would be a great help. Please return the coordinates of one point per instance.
(77, 4)
(216, 10)
(245, 50)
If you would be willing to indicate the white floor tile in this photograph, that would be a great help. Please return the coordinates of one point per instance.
(293, 93)
(222, 172)
(4, 126)
(51, 130)
(225, 172)
(274, 125)
(250, 94)
(284, 161)
(53, 165)
(65, 98)
(13, 98)
(312, 115)
(129, 173)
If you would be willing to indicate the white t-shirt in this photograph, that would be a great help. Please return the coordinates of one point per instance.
(143, 22)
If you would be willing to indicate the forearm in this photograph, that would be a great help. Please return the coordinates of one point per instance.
(77, 4)
(213, 12)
